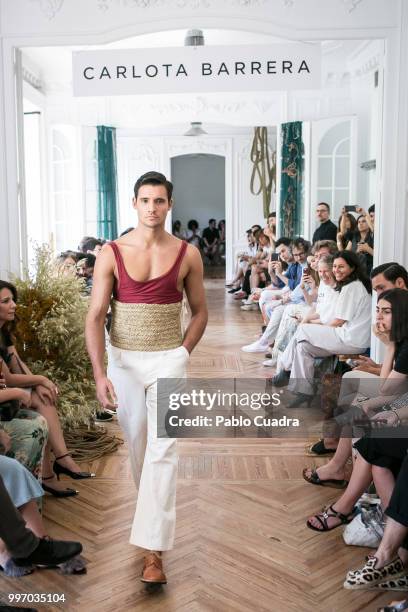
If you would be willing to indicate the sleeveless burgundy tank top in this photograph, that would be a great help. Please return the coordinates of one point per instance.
(159, 290)
(146, 315)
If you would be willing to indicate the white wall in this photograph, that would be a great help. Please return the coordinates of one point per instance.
(199, 188)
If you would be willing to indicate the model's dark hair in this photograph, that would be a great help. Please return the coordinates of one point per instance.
(358, 272)
(219, 223)
(324, 204)
(382, 267)
(272, 214)
(192, 225)
(256, 227)
(88, 243)
(154, 178)
(211, 221)
(398, 298)
(371, 209)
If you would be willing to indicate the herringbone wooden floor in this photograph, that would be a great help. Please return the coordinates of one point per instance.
(241, 545)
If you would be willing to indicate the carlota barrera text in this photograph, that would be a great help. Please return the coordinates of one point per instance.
(207, 69)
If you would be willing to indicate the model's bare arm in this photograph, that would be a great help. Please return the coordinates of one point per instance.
(95, 324)
(194, 287)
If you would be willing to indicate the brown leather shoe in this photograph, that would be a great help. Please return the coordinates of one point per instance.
(153, 570)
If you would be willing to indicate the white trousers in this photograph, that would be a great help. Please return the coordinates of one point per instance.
(273, 324)
(311, 341)
(153, 460)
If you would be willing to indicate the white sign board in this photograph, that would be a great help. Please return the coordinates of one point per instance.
(196, 69)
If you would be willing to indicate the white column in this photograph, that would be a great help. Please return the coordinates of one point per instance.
(13, 240)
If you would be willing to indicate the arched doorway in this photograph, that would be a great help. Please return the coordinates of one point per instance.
(199, 194)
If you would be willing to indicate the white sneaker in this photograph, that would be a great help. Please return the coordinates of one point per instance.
(270, 363)
(249, 307)
(255, 347)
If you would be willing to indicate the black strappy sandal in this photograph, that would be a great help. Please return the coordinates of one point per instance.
(327, 513)
(318, 448)
(315, 479)
(60, 469)
(56, 492)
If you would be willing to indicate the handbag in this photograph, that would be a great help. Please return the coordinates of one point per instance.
(366, 529)
(9, 410)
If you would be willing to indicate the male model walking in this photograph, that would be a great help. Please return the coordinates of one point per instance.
(146, 271)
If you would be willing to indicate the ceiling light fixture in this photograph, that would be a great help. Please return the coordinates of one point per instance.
(196, 129)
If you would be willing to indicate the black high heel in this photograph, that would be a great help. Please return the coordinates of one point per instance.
(60, 469)
(56, 492)
(301, 398)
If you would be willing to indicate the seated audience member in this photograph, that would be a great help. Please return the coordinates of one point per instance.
(275, 309)
(243, 259)
(391, 328)
(348, 332)
(378, 460)
(259, 255)
(279, 283)
(178, 231)
(327, 230)
(324, 247)
(346, 229)
(391, 557)
(384, 277)
(221, 229)
(27, 429)
(211, 240)
(320, 311)
(363, 242)
(90, 245)
(193, 233)
(43, 398)
(270, 229)
(25, 548)
(359, 239)
(66, 263)
(24, 491)
(371, 214)
(85, 270)
(259, 275)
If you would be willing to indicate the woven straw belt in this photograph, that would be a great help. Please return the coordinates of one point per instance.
(146, 327)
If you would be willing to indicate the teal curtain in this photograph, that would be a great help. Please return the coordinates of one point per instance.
(107, 216)
(291, 191)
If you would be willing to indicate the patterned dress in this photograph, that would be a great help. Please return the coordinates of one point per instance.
(29, 435)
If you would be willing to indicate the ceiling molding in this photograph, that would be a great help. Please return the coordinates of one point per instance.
(351, 5)
(49, 8)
